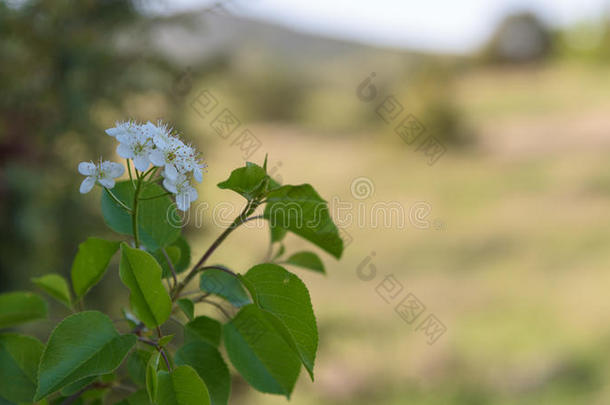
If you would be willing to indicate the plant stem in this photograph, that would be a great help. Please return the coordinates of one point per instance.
(221, 268)
(171, 266)
(156, 196)
(129, 171)
(243, 217)
(217, 305)
(159, 349)
(134, 212)
(116, 200)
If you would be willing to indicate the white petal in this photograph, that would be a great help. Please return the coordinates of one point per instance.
(87, 185)
(141, 162)
(183, 202)
(157, 157)
(113, 131)
(125, 137)
(197, 174)
(193, 194)
(86, 168)
(106, 182)
(124, 151)
(169, 186)
(171, 172)
(114, 169)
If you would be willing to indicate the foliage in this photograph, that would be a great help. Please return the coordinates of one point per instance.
(88, 356)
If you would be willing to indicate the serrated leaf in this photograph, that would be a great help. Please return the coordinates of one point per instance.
(21, 307)
(56, 286)
(19, 357)
(82, 345)
(247, 181)
(306, 260)
(187, 306)
(141, 273)
(182, 386)
(90, 263)
(302, 211)
(158, 224)
(283, 294)
(260, 353)
(224, 285)
(203, 328)
(210, 366)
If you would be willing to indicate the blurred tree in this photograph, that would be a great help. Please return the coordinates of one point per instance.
(60, 66)
(519, 38)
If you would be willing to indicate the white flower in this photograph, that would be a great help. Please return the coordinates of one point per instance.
(135, 143)
(161, 135)
(104, 173)
(172, 154)
(189, 162)
(181, 187)
(123, 128)
(169, 157)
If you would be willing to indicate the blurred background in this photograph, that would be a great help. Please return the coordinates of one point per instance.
(479, 130)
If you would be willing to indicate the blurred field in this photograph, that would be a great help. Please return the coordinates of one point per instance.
(517, 275)
(514, 264)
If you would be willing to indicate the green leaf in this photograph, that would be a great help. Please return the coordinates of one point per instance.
(164, 341)
(185, 254)
(90, 263)
(158, 223)
(151, 376)
(260, 353)
(82, 345)
(280, 252)
(182, 386)
(277, 233)
(77, 386)
(19, 357)
(180, 255)
(187, 306)
(136, 366)
(21, 307)
(225, 285)
(203, 328)
(56, 286)
(173, 252)
(210, 366)
(248, 181)
(307, 260)
(141, 273)
(302, 211)
(283, 294)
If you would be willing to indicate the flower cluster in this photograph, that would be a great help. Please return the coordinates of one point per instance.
(149, 144)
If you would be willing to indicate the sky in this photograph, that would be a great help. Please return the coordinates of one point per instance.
(437, 25)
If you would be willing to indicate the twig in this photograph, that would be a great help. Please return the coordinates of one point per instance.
(171, 266)
(217, 305)
(159, 349)
(218, 267)
(243, 217)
